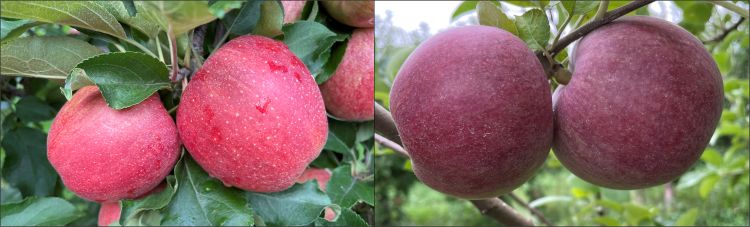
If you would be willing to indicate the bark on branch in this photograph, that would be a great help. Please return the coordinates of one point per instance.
(725, 32)
(493, 208)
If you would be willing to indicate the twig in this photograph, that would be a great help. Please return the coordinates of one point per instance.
(392, 145)
(493, 208)
(732, 7)
(594, 24)
(534, 211)
(725, 32)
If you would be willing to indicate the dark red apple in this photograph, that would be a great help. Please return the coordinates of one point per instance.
(643, 102)
(253, 116)
(105, 155)
(472, 106)
(349, 93)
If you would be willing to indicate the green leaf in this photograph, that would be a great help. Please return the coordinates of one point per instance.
(9, 194)
(688, 218)
(140, 21)
(524, 3)
(606, 221)
(299, 205)
(35, 211)
(338, 51)
(130, 6)
(579, 7)
(345, 191)
(311, 42)
(10, 29)
(463, 8)
(333, 143)
(346, 218)
(366, 131)
(32, 109)
(84, 14)
(691, 178)
(26, 166)
(533, 28)
(707, 185)
(491, 15)
(44, 57)
(712, 157)
(220, 8)
(635, 213)
(271, 19)
(204, 201)
(124, 78)
(180, 15)
(132, 209)
(695, 15)
(243, 20)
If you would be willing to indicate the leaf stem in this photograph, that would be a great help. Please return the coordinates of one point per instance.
(561, 29)
(173, 53)
(143, 48)
(602, 11)
(732, 7)
(158, 48)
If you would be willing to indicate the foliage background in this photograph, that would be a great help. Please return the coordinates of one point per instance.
(713, 192)
(43, 43)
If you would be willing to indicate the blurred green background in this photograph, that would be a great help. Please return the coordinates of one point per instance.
(713, 192)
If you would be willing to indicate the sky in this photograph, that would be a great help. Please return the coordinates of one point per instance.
(408, 14)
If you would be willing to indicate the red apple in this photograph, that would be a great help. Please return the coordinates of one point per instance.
(472, 106)
(359, 14)
(109, 212)
(292, 10)
(349, 93)
(253, 116)
(105, 155)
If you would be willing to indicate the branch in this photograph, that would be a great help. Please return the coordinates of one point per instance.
(732, 7)
(594, 24)
(493, 208)
(725, 32)
(534, 211)
(392, 145)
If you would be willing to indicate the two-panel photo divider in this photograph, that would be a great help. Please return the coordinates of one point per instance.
(374, 113)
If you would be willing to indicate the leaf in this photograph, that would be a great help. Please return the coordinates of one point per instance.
(26, 166)
(366, 131)
(180, 15)
(635, 213)
(204, 201)
(220, 8)
(243, 20)
(549, 199)
(524, 3)
(533, 28)
(346, 218)
(130, 6)
(10, 29)
(333, 143)
(84, 14)
(44, 57)
(124, 78)
(271, 19)
(311, 42)
(345, 191)
(9, 194)
(463, 8)
(35, 211)
(299, 205)
(695, 15)
(490, 15)
(691, 178)
(131, 209)
(338, 51)
(606, 221)
(712, 157)
(579, 7)
(688, 218)
(140, 21)
(32, 109)
(707, 185)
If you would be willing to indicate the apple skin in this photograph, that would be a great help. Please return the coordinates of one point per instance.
(360, 14)
(349, 93)
(472, 106)
(322, 176)
(292, 10)
(105, 155)
(643, 102)
(253, 116)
